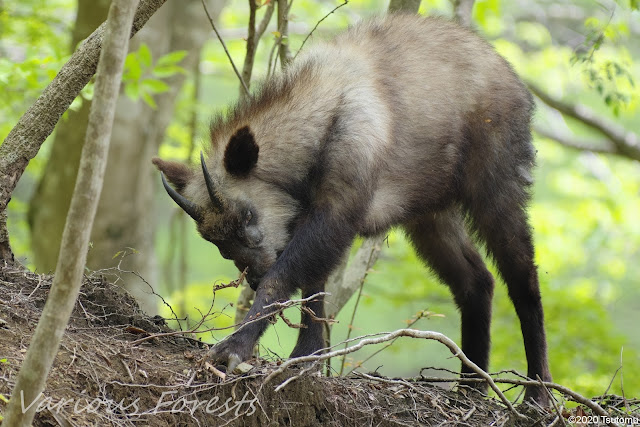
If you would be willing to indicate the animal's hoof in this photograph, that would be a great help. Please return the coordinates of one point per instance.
(229, 352)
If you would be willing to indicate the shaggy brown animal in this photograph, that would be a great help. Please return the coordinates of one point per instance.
(401, 121)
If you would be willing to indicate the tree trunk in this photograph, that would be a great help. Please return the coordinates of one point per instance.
(462, 10)
(25, 139)
(124, 216)
(406, 6)
(68, 279)
(123, 219)
(50, 202)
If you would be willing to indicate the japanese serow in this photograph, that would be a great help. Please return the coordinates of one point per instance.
(400, 121)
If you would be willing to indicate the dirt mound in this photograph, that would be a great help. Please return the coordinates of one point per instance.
(101, 376)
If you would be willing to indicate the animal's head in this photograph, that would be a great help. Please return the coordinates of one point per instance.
(245, 217)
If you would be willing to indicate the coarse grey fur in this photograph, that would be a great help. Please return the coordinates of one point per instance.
(400, 121)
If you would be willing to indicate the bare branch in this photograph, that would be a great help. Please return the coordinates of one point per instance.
(604, 146)
(346, 281)
(320, 21)
(373, 253)
(265, 20)
(577, 397)
(626, 142)
(252, 44)
(253, 38)
(283, 29)
(224, 46)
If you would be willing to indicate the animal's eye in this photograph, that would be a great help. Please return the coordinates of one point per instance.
(248, 217)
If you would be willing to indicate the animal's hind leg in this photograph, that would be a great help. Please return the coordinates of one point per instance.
(499, 215)
(442, 242)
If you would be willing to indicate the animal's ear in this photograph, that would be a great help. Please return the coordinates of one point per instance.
(241, 154)
(178, 174)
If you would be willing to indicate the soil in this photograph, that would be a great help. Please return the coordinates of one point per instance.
(102, 376)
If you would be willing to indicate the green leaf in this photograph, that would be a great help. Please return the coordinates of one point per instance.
(144, 55)
(163, 71)
(132, 69)
(154, 85)
(132, 90)
(171, 58)
(592, 22)
(148, 99)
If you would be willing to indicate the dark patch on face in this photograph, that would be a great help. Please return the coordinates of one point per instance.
(241, 154)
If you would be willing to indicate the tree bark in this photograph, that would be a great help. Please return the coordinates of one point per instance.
(462, 11)
(25, 139)
(283, 28)
(625, 143)
(405, 6)
(68, 278)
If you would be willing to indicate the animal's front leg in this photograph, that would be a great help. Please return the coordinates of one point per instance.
(238, 346)
(315, 249)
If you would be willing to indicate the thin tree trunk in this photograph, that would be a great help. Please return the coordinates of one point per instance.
(124, 216)
(25, 139)
(406, 6)
(462, 11)
(283, 28)
(50, 202)
(123, 219)
(75, 240)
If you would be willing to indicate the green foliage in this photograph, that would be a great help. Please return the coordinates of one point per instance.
(605, 70)
(33, 46)
(141, 77)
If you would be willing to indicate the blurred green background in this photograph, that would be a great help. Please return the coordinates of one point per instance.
(585, 211)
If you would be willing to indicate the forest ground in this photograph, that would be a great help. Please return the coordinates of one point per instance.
(102, 376)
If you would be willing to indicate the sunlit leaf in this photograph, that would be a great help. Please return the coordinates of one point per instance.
(171, 58)
(148, 99)
(144, 55)
(155, 85)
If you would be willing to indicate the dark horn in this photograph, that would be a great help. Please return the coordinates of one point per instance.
(191, 208)
(217, 203)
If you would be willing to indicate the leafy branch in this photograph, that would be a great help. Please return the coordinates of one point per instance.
(619, 140)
